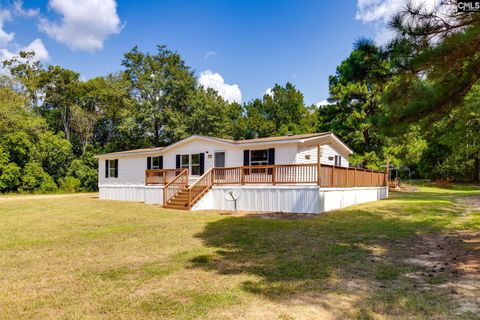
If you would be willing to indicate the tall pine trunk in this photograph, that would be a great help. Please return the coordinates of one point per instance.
(476, 170)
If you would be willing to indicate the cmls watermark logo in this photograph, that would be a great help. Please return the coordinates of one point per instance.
(468, 6)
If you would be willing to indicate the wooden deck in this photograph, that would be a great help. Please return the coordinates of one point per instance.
(160, 176)
(179, 195)
(329, 177)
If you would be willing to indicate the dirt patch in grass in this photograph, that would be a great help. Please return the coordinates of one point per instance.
(82, 258)
(271, 215)
(451, 263)
(471, 203)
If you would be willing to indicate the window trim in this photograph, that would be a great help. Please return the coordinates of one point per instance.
(154, 167)
(112, 168)
(182, 164)
(196, 165)
(338, 160)
(190, 163)
(259, 162)
(224, 158)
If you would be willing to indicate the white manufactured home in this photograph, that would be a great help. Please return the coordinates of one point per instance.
(306, 173)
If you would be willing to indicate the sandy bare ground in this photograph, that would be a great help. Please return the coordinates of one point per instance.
(45, 196)
(453, 262)
(471, 203)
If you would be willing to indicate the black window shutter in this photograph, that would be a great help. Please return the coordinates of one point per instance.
(338, 160)
(160, 162)
(149, 163)
(106, 168)
(271, 156)
(177, 162)
(202, 163)
(246, 157)
(116, 168)
(246, 161)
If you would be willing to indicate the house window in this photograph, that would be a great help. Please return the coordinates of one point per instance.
(191, 162)
(155, 162)
(195, 170)
(112, 168)
(338, 161)
(259, 157)
(185, 161)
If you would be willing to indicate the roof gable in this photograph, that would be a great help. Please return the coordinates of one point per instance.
(322, 137)
(195, 137)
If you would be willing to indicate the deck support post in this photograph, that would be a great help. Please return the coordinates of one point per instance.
(387, 172)
(346, 178)
(319, 165)
(333, 176)
(164, 196)
(355, 177)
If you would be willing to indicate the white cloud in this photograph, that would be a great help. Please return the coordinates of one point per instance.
(209, 54)
(84, 24)
(8, 48)
(269, 92)
(379, 12)
(18, 8)
(36, 45)
(6, 54)
(230, 92)
(5, 37)
(322, 103)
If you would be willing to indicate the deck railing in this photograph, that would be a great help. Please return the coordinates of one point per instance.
(160, 176)
(172, 188)
(200, 187)
(342, 177)
(330, 176)
(326, 176)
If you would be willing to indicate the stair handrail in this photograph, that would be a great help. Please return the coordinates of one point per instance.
(174, 180)
(209, 182)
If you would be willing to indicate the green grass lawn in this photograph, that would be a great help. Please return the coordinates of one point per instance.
(83, 258)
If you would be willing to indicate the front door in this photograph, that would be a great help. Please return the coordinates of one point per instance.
(219, 161)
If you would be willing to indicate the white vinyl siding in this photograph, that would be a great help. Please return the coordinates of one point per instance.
(132, 168)
(296, 199)
(308, 154)
(328, 156)
(131, 171)
(284, 153)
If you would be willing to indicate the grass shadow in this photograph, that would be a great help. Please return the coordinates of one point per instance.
(304, 256)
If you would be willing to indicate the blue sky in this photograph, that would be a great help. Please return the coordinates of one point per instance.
(237, 47)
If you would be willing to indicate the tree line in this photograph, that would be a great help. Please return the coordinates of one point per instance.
(53, 123)
(414, 103)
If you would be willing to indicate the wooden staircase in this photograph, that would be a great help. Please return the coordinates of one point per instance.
(180, 201)
(179, 196)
